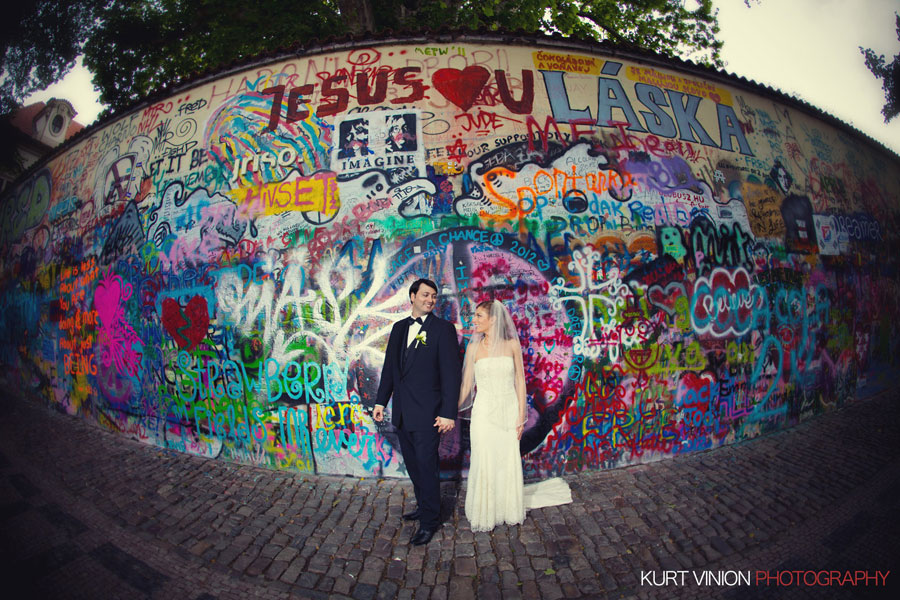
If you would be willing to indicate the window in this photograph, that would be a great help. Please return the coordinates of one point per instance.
(56, 124)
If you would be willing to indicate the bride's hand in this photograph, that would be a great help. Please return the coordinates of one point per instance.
(443, 425)
(520, 430)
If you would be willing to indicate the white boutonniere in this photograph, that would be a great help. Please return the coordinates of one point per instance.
(421, 338)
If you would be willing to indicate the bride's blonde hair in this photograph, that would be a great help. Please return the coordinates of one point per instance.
(493, 307)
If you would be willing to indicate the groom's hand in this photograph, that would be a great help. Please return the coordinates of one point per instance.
(378, 413)
(443, 425)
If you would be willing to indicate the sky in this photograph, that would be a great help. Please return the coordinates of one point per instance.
(805, 48)
(810, 49)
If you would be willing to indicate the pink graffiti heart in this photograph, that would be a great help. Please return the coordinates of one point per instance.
(187, 325)
(109, 297)
(461, 87)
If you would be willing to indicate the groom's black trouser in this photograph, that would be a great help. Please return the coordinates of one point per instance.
(420, 454)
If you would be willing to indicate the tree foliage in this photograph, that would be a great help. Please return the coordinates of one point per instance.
(143, 45)
(39, 42)
(670, 27)
(889, 73)
(134, 47)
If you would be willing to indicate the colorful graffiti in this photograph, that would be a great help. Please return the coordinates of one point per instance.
(690, 261)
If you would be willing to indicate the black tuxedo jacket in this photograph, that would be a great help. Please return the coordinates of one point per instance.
(426, 384)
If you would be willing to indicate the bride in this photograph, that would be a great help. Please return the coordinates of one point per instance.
(493, 386)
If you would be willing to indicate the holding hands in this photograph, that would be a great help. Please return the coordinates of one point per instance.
(444, 425)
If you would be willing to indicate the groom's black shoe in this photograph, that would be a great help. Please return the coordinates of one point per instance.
(411, 516)
(423, 536)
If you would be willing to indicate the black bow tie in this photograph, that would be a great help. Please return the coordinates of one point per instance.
(416, 320)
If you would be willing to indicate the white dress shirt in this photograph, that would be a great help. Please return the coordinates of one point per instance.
(414, 329)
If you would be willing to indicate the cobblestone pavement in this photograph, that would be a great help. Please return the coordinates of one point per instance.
(86, 514)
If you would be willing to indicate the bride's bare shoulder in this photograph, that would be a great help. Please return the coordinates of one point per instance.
(511, 347)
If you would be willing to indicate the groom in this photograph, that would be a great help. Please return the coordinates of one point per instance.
(422, 371)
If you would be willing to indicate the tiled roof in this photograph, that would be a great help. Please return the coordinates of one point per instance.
(23, 119)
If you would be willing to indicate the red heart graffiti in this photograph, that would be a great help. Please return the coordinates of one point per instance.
(664, 299)
(187, 325)
(461, 87)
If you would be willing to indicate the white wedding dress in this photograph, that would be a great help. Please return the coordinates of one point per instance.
(495, 494)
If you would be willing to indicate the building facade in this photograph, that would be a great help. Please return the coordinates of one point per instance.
(32, 132)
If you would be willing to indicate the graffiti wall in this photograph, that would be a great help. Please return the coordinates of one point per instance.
(690, 261)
